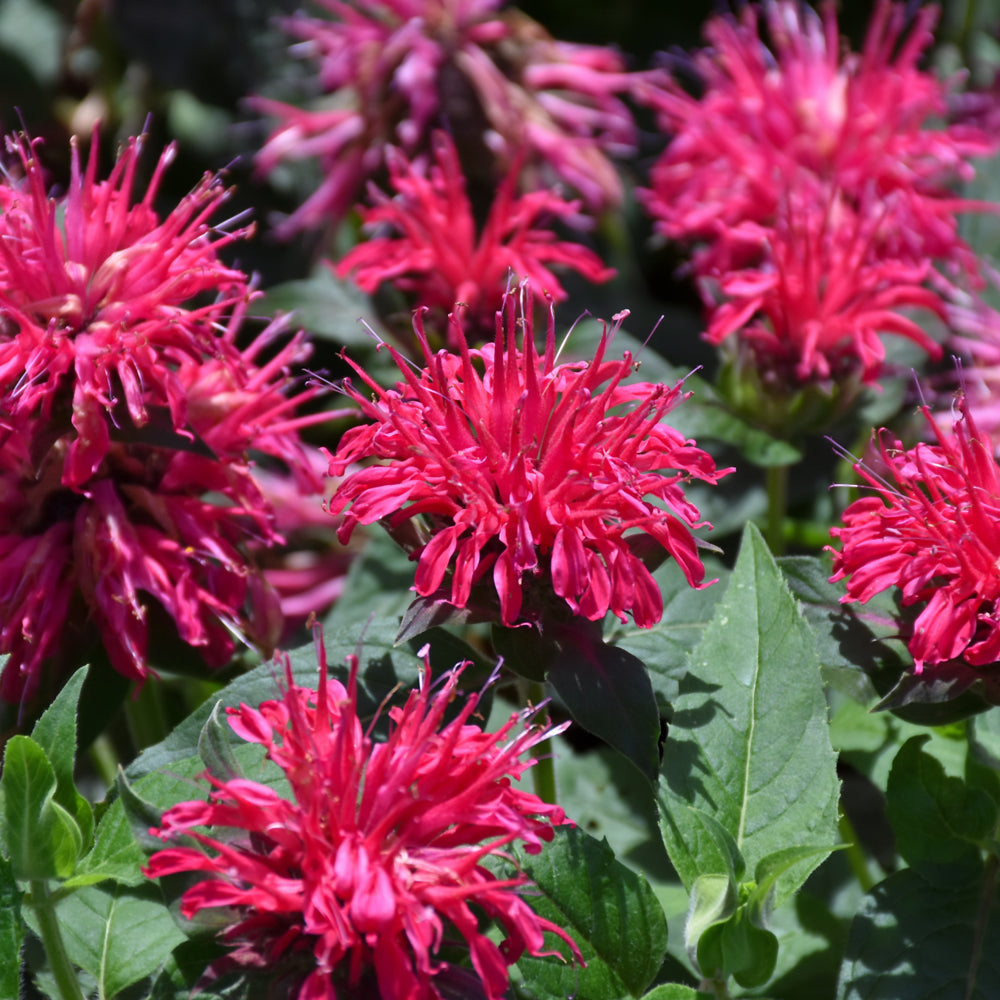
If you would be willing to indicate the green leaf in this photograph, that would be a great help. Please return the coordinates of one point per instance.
(940, 822)
(214, 747)
(378, 586)
(42, 838)
(848, 636)
(608, 692)
(118, 934)
(769, 871)
(11, 933)
(677, 991)
(666, 647)
(749, 742)
(611, 913)
(913, 939)
(55, 733)
(330, 309)
(383, 666)
(115, 855)
(737, 947)
(714, 900)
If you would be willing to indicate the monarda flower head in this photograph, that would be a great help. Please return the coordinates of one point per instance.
(812, 315)
(428, 244)
(397, 69)
(933, 531)
(372, 863)
(508, 467)
(808, 112)
(127, 414)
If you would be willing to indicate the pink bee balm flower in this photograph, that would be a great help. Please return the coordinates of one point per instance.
(145, 528)
(816, 308)
(811, 113)
(400, 68)
(374, 858)
(127, 413)
(96, 295)
(508, 465)
(436, 253)
(933, 531)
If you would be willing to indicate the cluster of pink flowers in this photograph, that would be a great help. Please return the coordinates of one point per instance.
(501, 463)
(932, 530)
(800, 162)
(432, 249)
(125, 405)
(401, 68)
(375, 861)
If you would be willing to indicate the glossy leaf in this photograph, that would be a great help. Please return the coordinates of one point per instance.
(749, 742)
(607, 691)
(611, 913)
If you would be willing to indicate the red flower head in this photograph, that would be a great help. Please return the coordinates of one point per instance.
(126, 415)
(805, 113)
(436, 253)
(933, 531)
(375, 860)
(400, 68)
(504, 462)
(815, 309)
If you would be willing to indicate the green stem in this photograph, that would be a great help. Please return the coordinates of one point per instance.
(717, 987)
(544, 771)
(105, 760)
(777, 506)
(855, 855)
(67, 982)
(144, 712)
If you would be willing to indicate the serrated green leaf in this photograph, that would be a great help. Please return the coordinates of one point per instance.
(611, 913)
(11, 933)
(940, 822)
(118, 934)
(913, 939)
(41, 837)
(749, 741)
(666, 647)
(848, 636)
(115, 855)
(55, 733)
